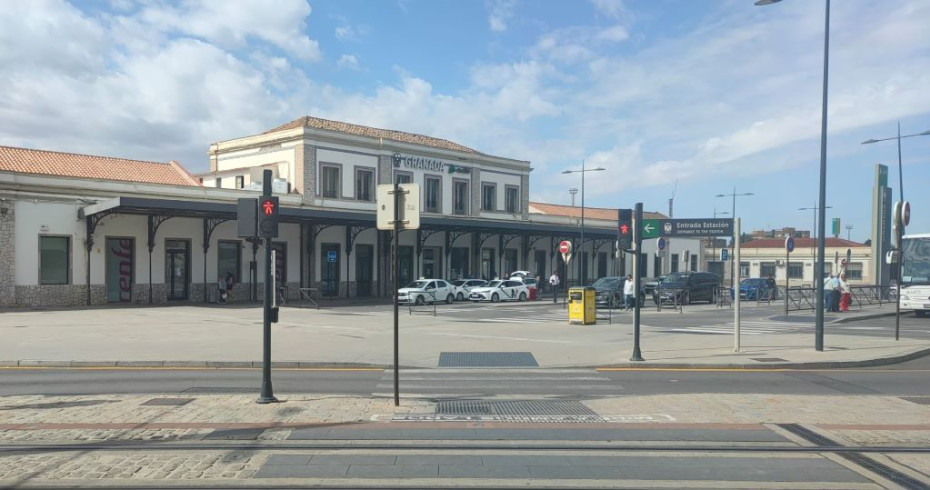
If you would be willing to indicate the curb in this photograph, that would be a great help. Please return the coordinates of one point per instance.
(870, 316)
(644, 365)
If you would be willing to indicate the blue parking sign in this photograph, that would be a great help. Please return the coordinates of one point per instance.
(724, 254)
(331, 256)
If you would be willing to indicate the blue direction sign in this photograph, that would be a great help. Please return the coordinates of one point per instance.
(724, 255)
(331, 256)
(687, 228)
(789, 244)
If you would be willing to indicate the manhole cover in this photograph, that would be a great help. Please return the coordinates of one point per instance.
(768, 359)
(513, 408)
(174, 402)
(487, 359)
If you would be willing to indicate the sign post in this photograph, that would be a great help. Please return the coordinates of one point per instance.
(637, 247)
(565, 248)
(268, 229)
(902, 218)
(736, 247)
(789, 247)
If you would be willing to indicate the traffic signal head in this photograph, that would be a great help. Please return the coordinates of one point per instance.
(625, 228)
(268, 216)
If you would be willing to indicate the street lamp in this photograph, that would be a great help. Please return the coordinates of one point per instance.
(848, 231)
(821, 238)
(898, 137)
(581, 268)
(815, 208)
(734, 195)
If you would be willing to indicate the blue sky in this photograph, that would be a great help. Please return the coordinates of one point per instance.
(695, 98)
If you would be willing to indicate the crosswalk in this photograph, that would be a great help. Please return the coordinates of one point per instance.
(746, 328)
(474, 382)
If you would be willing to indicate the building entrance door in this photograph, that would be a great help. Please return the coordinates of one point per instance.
(364, 265)
(177, 269)
(329, 269)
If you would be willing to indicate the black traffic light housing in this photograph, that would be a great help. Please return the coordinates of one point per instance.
(268, 216)
(625, 228)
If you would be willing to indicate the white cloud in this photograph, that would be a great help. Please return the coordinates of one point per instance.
(615, 34)
(610, 8)
(351, 33)
(348, 61)
(501, 12)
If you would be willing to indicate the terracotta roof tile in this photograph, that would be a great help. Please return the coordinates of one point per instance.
(29, 161)
(342, 127)
(800, 243)
(589, 212)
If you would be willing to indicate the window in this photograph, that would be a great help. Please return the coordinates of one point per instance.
(364, 182)
(656, 267)
(767, 269)
(512, 199)
(460, 197)
(854, 271)
(488, 197)
(744, 269)
(229, 260)
(240, 181)
(218, 183)
(403, 177)
(674, 263)
(795, 271)
(54, 259)
(329, 181)
(694, 264)
(433, 195)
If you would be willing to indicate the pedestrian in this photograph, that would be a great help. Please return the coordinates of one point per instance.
(837, 294)
(628, 292)
(770, 288)
(221, 286)
(230, 282)
(554, 286)
(828, 293)
(846, 292)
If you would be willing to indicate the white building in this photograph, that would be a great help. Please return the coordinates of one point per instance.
(79, 229)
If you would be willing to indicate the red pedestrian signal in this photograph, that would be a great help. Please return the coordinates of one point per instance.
(268, 207)
(268, 217)
(624, 229)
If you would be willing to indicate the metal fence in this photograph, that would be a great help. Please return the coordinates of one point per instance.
(805, 298)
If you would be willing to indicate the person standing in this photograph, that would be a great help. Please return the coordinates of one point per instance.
(770, 288)
(628, 292)
(222, 288)
(837, 293)
(828, 293)
(846, 293)
(554, 286)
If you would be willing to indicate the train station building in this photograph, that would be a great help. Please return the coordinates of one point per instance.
(80, 229)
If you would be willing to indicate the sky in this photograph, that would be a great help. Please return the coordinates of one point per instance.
(683, 99)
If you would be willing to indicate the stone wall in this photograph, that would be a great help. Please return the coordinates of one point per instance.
(59, 295)
(7, 254)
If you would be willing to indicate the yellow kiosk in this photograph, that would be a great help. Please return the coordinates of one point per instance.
(581, 307)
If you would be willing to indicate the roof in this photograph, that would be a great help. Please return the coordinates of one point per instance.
(800, 243)
(388, 134)
(589, 212)
(29, 161)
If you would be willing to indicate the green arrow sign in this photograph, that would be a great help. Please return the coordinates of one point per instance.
(651, 228)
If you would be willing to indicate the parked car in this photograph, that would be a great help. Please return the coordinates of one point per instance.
(529, 279)
(650, 286)
(609, 292)
(753, 288)
(426, 291)
(463, 287)
(687, 287)
(500, 290)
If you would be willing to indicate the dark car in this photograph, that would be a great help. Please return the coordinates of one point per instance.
(650, 286)
(687, 287)
(754, 288)
(608, 292)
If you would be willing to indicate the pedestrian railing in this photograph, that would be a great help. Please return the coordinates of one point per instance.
(801, 298)
(723, 297)
(805, 298)
(872, 295)
(672, 298)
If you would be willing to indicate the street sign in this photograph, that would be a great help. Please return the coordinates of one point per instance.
(687, 228)
(661, 243)
(724, 255)
(331, 256)
(906, 213)
(565, 247)
(409, 206)
(789, 244)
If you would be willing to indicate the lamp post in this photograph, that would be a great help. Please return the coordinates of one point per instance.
(734, 195)
(898, 137)
(815, 208)
(821, 236)
(714, 239)
(848, 231)
(581, 264)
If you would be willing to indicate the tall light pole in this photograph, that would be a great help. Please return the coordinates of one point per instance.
(714, 239)
(814, 209)
(734, 195)
(581, 264)
(848, 230)
(898, 137)
(821, 236)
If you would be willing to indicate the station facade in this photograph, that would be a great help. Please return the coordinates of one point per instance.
(79, 229)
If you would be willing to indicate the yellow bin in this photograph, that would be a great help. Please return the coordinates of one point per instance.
(581, 307)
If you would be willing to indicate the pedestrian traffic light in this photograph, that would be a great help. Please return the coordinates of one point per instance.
(245, 216)
(625, 228)
(268, 216)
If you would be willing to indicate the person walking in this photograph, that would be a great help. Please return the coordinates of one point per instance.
(221, 286)
(770, 288)
(837, 293)
(846, 293)
(554, 286)
(828, 293)
(628, 292)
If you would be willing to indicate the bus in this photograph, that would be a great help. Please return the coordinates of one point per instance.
(915, 274)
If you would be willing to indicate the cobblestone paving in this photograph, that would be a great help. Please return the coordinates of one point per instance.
(90, 435)
(914, 438)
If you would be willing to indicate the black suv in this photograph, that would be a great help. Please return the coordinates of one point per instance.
(609, 292)
(687, 287)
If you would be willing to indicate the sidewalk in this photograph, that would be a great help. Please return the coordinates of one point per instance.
(203, 336)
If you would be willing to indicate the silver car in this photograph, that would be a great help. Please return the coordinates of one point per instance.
(463, 287)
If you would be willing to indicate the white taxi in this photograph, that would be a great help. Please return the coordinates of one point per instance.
(500, 290)
(426, 291)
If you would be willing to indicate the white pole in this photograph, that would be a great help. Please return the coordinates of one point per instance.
(736, 247)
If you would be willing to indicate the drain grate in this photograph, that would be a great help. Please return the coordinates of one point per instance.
(171, 402)
(920, 400)
(525, 408)
(487, 359)
(769, 359)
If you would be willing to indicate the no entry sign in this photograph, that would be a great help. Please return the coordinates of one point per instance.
(565, 247)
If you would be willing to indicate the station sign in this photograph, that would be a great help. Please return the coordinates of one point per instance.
(687, 228)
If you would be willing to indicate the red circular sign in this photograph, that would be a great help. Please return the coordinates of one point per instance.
(906, 213)
(565, 247)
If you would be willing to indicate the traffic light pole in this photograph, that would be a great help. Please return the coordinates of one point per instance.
(637, 250)
(267, 394)
(394, 272)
